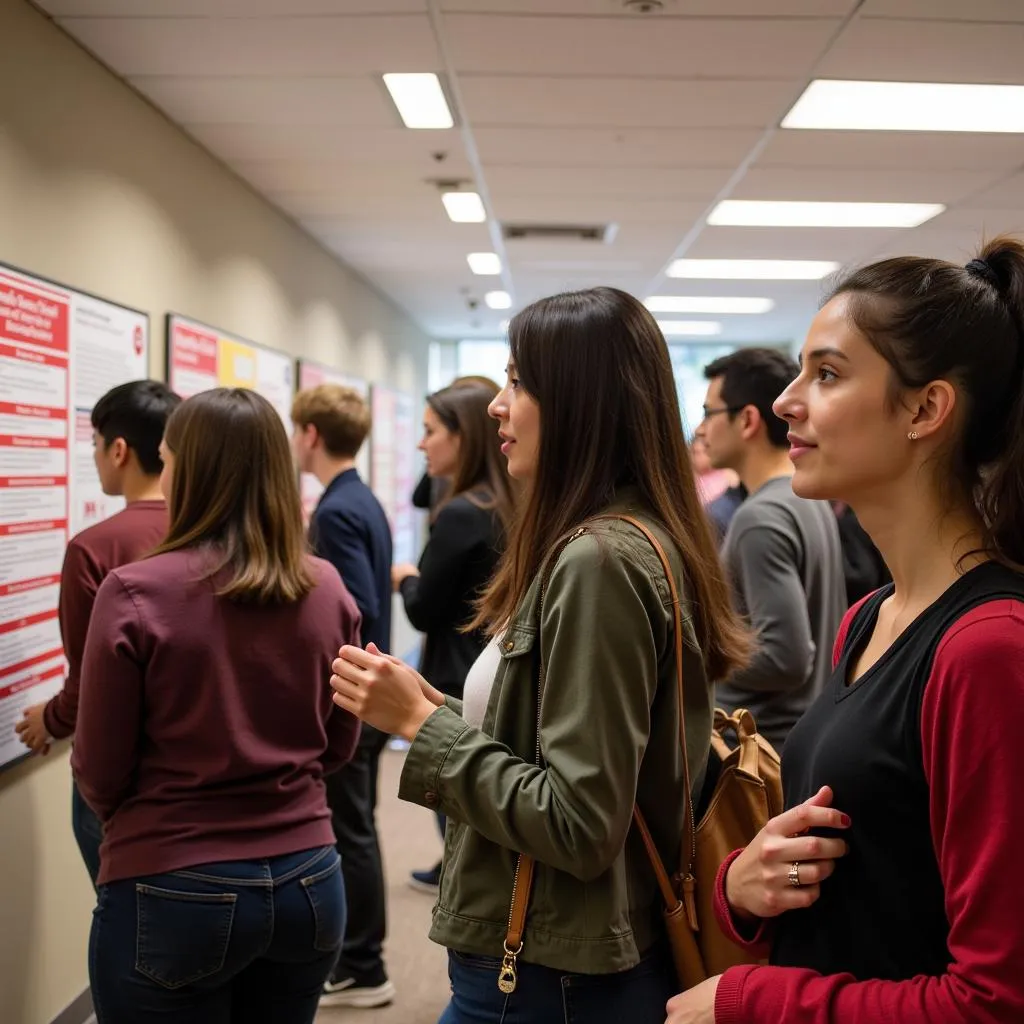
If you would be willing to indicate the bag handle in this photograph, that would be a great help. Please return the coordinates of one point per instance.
(523, 882)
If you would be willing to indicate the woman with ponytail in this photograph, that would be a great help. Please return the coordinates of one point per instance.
(889, 888)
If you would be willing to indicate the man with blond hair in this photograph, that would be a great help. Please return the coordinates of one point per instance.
(350, 530)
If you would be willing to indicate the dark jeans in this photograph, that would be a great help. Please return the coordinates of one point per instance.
(547, 996)
(88, 832)
(352, 798)
(245, 942)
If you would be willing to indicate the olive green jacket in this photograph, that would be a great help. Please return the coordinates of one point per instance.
(608, 736)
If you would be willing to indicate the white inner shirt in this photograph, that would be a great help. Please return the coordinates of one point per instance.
(477, 691)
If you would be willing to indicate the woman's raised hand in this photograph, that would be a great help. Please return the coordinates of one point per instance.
(783, 867)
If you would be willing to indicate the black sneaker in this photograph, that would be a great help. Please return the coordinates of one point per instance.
(427, 881)
(347, 989)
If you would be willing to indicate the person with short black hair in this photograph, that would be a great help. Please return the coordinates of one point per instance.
(128, 424)
(782, 552)
(350, 529)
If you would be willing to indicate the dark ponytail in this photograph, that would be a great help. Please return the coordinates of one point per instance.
(933, 320)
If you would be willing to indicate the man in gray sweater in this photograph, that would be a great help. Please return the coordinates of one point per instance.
(782, 552)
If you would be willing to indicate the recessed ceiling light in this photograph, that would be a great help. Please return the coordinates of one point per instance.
(464, 207)
(709, 304)
(420, 100)
(908, 107)
(689, 328)
(498, 300)
(484, 263)
(752, 270)
(757, 213)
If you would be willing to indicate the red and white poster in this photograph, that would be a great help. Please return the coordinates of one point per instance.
(60, 350)
(312, 375)
(35, 400)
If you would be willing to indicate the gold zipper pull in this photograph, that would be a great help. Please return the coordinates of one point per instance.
(508, 978)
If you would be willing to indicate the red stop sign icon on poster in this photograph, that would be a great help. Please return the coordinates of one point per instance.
(138, 340)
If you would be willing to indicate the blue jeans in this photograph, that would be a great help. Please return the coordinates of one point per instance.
(547, 996)
(88, 832)
(246, 942)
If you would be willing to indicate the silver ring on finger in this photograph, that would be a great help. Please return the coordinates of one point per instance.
(794, 875)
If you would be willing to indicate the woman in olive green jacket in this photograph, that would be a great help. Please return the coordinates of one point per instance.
(580, 605)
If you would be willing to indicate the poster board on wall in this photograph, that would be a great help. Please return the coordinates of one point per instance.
(60, 350)
(393, 465)
(201, 357)
(311, 375)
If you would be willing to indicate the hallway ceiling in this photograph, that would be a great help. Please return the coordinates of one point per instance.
(578, 112)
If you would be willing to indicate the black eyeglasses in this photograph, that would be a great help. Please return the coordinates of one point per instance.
(708, 413)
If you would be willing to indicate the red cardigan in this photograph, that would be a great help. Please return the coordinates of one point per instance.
(972, 730)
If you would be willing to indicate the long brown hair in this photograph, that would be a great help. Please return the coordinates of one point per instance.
(599, 369)
(481, 473)
(933, 320)
(234, 492)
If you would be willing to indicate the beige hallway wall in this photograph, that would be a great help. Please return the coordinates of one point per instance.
(99, 191)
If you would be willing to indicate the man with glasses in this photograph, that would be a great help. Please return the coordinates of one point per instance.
(782, 552)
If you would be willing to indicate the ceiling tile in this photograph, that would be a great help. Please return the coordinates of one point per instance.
(597, 210)
(363, 179)
(787, 243)
(1006, 194)
(949, 151)
(648, 182)
(860, 185)
(609, 147)
(945, 10)
(673, 8)
(225, 8)
(927, 51)
(645, 47)
(256, 101)
(492, 100)
(303, 47)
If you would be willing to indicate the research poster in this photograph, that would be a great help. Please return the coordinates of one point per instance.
(60, 350)
(393, 465)
(311, 375)
(201, 357)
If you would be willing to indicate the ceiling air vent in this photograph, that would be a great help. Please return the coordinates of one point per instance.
(559, 232)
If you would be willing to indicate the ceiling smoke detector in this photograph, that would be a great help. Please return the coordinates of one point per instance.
(644, 6)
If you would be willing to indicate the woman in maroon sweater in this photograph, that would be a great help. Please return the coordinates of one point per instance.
(205, 728)
(889, 891)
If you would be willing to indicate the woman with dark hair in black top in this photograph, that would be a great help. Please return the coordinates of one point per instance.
(467, 536)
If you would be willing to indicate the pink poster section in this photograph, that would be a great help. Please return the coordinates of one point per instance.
(35, 402)
(393, 450)
(310, 376)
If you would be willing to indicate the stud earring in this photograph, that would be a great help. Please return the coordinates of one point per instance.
(912, 436)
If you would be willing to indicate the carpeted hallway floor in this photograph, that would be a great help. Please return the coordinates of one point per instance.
(418, 967)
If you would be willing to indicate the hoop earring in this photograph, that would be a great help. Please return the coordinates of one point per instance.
(912, 436)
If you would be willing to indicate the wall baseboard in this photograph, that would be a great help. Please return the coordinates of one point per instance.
(78, 1011)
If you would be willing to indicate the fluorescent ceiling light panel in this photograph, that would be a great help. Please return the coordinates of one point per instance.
(464, 207)
(689, 328)
(420, 100)
(498, 300)
(752, 270)
(773, 214)
(908, 107)
(484, 263)
(710, 304)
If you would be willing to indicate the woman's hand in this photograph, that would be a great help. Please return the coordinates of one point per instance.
(381, 691)
(31, 730)
(694, 1006)
(401, 572)
(432, 693)
(783, 868)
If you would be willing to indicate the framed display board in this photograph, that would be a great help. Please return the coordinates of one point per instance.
(393, 465)
(60, 350)
(201, 357)
(311, 375)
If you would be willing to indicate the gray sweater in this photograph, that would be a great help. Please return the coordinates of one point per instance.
(783, 556)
